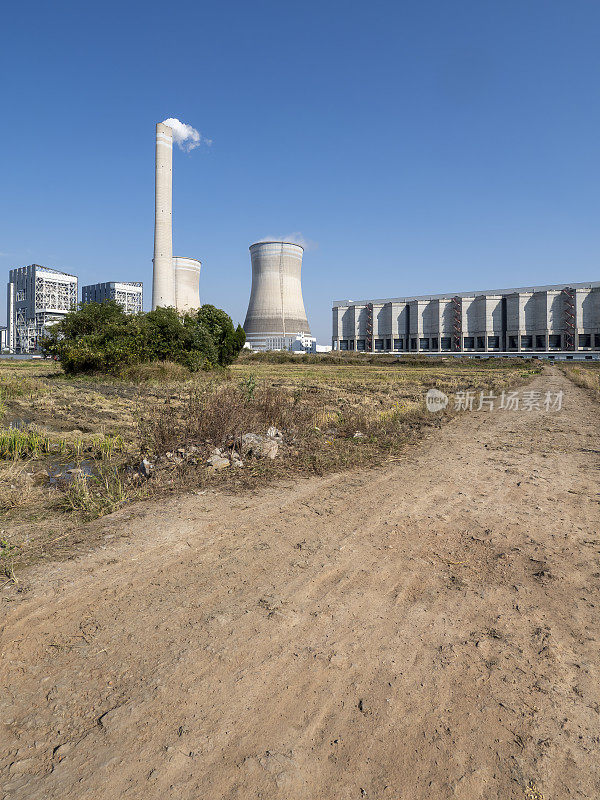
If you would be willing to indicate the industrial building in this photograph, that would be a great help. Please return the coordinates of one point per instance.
(276, 319)
(187, 280)
(560, 321)
(127, 294)
(294, 343)
(175, 281)
(37, 298)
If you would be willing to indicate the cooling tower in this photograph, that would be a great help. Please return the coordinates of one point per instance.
(163, 281)
(276, 307)
(187, 280)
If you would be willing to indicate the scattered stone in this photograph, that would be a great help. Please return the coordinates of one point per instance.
(358, 435)
(217, 463)
(273, 433)
(213, 458)
(259, 446)
(269, 448)
(251, 440)
(146, 468)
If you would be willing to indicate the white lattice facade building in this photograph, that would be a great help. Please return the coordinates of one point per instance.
(128, 295)
(37, 298)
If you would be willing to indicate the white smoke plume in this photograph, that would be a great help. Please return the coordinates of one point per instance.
(293, 238)
(185, 136)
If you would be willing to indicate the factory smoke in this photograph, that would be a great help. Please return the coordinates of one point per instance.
(185, 136)
(293, 238)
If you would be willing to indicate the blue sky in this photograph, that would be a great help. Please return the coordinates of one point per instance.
(425, 146)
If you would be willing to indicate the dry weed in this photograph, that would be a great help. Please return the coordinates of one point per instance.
(16, 487)
(588, 377)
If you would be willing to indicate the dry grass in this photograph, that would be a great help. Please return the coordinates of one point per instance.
(107, 424)
(318, 406)
(16, 487)
(156, 372)
(100, 494)
(584, 374)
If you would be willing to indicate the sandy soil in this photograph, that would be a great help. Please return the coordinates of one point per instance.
(428, 629)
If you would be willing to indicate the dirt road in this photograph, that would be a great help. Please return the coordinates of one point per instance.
(426, 630)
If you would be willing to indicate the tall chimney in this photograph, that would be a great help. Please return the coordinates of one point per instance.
(163, 278)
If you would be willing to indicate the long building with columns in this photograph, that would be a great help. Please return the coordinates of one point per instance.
(546, 321)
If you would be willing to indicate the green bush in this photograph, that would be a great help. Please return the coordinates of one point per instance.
(101, 337)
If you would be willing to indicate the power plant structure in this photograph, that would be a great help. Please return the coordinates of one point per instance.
(175, 281)
(555, 322)
(37, 298)
(187, 280)
(276, 318)
(129, 295)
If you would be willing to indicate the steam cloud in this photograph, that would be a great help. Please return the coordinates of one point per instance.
(185, 136)
(293, 238)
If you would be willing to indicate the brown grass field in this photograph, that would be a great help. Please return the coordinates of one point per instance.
(50, 423)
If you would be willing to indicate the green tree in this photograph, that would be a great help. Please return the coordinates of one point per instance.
(100, 337)
(227, 339)
(166, 339)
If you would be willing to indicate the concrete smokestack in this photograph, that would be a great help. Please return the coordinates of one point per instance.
(276, 307)
(163, 279)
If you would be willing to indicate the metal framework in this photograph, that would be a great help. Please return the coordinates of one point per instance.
(34, 315)
(456, 323)
(569, 317)
(369, 326)
(26, 333)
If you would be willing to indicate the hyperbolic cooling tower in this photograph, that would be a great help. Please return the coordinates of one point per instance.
(175, 281)
(187, 278)
(276, 307)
